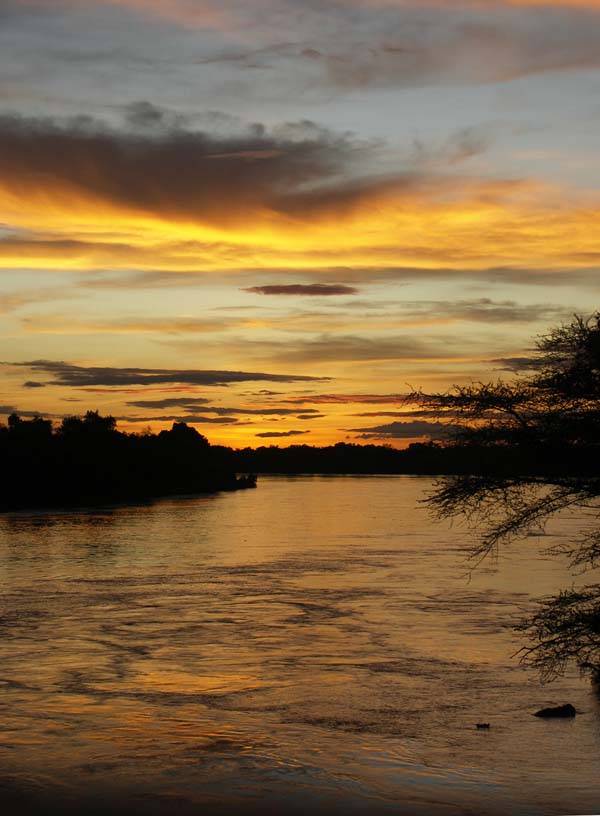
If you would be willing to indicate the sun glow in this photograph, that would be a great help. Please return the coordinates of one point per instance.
(484, 224)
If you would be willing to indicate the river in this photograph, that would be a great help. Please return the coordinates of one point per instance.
(315, 645)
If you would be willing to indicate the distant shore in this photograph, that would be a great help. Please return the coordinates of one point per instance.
(87, 461)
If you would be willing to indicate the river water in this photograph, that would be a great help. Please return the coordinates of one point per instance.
(315, 645)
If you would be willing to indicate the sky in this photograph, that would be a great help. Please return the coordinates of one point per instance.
(272, 219)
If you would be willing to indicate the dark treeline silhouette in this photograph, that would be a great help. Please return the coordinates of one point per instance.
(426, 458)
(87, 460)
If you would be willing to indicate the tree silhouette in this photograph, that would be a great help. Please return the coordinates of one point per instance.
(86, 460)
(548, 414)
(93, 424)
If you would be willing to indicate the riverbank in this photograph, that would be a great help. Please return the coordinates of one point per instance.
(87, 461)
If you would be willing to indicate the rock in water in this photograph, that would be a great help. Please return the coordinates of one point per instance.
(558, 711)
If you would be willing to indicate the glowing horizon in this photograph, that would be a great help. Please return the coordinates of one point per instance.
(378, 195)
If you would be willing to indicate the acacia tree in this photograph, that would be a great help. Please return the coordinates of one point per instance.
(543, 426)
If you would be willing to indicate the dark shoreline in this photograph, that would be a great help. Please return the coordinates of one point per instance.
(86, 461)
(96, 502)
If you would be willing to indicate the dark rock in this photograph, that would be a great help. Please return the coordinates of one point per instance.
(483, 725)
(558, 711)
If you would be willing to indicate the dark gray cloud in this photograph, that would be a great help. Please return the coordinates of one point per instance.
(143, 115)
(336, 348)
(406, 430)
(191, 419)
(81, 376)
(310, 289)
(343, 399)
(11, 409)
(273, 434)
(485, 310)
(176, 173)
(476, 310)
(259, 411)
(191, 405)
(171, 402)
(418, 412)
(517, 364)
(195, 419)
(33, 384)
(310, 416)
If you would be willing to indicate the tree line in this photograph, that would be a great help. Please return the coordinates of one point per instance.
(86, 460)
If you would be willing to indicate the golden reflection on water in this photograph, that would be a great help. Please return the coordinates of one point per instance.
(315, 643)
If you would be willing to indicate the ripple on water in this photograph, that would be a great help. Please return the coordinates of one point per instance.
(313, 645)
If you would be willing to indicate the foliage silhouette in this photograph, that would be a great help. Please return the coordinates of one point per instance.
(87, 460)
(549, 414)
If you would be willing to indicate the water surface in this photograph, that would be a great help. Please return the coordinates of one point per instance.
(313, 645)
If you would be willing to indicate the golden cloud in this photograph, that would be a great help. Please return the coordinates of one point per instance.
(84, 199)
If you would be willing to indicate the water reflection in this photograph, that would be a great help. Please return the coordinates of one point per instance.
(313, 644)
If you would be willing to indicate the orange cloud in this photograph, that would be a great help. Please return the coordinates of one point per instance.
(479, 225)
(85, 199)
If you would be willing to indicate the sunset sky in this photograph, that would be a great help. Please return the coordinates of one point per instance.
(270, 218)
